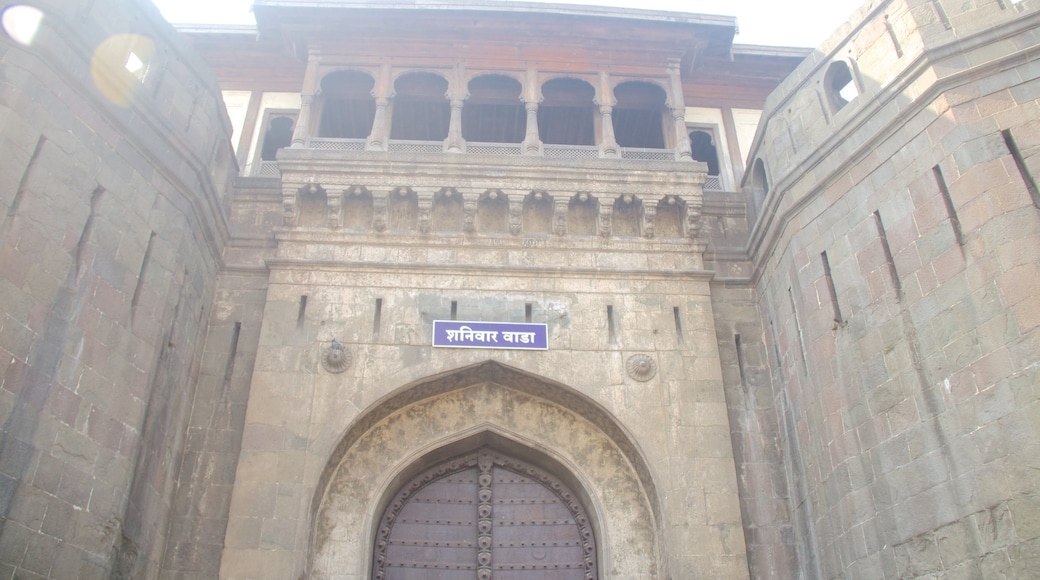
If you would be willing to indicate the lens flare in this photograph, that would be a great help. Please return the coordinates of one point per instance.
(21, 23)
(120, 66)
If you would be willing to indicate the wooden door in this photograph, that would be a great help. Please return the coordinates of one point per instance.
(484, 516)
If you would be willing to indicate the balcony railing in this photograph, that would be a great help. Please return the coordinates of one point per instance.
(570, 151)
(398, 146)
(647, 154)
(263, 169)
(329, 144)
(577, 152)
(495, 148)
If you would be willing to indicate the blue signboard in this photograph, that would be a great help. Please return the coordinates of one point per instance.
(514, 335)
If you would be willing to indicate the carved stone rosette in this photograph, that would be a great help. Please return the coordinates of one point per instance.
(641, 367)
(336, 358)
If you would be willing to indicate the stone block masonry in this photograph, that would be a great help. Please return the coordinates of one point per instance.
(910, 410)
(114, 209)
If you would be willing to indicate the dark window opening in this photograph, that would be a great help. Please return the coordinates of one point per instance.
(278, 136)
(421, 111)
(567, 113)
(348, 108)
(704, 150)
(493, 113)
(638, 116)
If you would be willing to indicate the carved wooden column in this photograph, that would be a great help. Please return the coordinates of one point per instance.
(649, 213)
(379, 205)
(382, 92)
(457, 94)
(532, 97)
(677, 105)
(606, 213)
(560, 206)
(516, 212)
(608, 146)
(334, 198)
(425, 210)
(307, 96)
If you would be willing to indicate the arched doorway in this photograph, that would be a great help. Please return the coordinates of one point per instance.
(485, 514)
(545, 425)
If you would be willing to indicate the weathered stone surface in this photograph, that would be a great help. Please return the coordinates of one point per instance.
(928, 399)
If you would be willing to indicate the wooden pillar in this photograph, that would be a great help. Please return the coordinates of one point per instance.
(457, 94)
(608, 146)
(382, 92)
(677, 105)
(532, 97)
(310, 90)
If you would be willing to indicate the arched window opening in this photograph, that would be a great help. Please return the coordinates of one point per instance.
(493, 112)
(421, 111)
(278, 135)
(348, 109)
(639, 115)
(567, 113)
(839, 85)
(703, 149)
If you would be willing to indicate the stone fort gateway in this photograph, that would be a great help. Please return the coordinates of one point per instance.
(438, 290)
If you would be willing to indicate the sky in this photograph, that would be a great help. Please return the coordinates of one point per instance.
(767, 22)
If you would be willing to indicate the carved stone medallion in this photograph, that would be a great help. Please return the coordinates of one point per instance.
(641, 367)
(336, 358)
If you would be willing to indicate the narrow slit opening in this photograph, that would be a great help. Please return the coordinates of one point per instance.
(798, 329)
(941, 13)
(678, 325)
(951, 212)
(454, 310)
(528, 311)
(776, 345)
(831, 289)
(893, 274)
(377, 319)
(892, 35)
(302, 313)
(611, 325)
(88, 228)
(740, 359)
(229, 368)
(141, 273)
(1020, 163)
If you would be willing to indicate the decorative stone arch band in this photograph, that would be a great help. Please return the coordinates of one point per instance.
(546, 424)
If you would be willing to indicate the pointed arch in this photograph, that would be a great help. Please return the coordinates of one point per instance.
(558, 428)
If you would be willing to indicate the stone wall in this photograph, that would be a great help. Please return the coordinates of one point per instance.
(896, 259)
(319, 449)
(113, 187)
